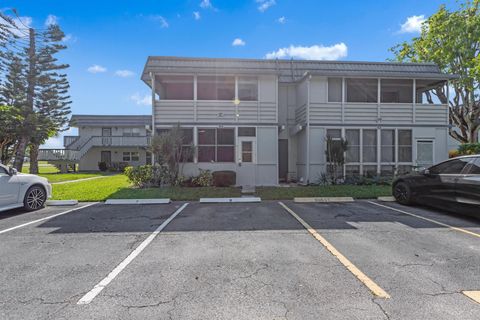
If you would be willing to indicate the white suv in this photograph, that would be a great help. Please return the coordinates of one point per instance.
(22, 190)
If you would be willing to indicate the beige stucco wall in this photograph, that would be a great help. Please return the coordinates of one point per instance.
(89, 162)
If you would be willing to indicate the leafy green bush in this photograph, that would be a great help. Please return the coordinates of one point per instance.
(469, 148)
(102, 166)
(204, 179)
(147, 176)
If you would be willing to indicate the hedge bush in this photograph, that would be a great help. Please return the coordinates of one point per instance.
(469, 148)
(147, 176)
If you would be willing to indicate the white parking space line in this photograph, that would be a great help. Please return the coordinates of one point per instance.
(362, 277)
(88, 297)
(46, 218)
(428, 219)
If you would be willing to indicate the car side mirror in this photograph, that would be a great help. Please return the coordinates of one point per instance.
(12, 171)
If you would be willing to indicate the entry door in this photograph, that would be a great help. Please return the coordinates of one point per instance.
(106, 156)
(106, 136)
(282, 159)
(246, 159)
(424, 153)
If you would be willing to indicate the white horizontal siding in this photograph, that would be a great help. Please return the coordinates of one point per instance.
(174, 111)
(325, 113)
(360, 113)
(396, 113)
(431, 114)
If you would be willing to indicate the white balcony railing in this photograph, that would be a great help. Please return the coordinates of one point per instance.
(58, 155)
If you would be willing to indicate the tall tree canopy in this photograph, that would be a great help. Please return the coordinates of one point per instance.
(451, 39)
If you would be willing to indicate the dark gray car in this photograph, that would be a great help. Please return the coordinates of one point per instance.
(453, 185)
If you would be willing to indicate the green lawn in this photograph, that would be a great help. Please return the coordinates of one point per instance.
(59, 177)
(357, 192)
(43, 167)
(118, 187)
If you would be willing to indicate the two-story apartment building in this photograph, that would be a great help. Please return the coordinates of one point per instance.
(268, 120)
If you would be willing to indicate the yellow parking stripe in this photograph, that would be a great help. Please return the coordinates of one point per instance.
(428, 219)
(474, 295)
(372, 286)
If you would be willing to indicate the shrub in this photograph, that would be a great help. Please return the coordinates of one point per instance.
(224, 178)
(147, 176)
(204, 179)
(102, 166)
(469, 148)
(453, 153)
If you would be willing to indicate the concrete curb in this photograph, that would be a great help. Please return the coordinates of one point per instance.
(137, 201)
(386, 199)
(230, 200)
(323, 199)
(53, 203)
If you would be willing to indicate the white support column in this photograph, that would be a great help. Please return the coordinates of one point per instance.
(195, 144)
(307, 132)
(379, 97)
(379, 146)
(414, 105)
(152, 78)
(195, 97)
(343, 100)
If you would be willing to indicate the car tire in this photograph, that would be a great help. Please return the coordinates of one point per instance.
(402, 193)
(35, 198)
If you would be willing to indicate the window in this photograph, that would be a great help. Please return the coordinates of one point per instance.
(369, 145)
(216, 145)
(396, 91)
(131, 156)
(215, 88)
(370, 170)
(131, 132)
(3, 172)
(353, 145)
(450, 167)
(387, 151)
(187, 142)
(247, 88)
(362, 90)
(352, 170)
(474, 167)
(246, 131)
(334, 90)
(336, 135)
(404, 145)
(174, 87)
(426, 92)
(247, 151)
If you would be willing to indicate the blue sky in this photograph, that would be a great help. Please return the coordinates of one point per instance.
(109, 41)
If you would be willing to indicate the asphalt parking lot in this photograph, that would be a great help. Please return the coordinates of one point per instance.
(238, 261)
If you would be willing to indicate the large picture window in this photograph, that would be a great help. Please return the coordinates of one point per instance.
(396, 91)
(248, 88)
(174, 87)
(216, 145)
(353, 145)
(362, 90)
(215, 88)
(387, 151)
(334, 89)
(187, 142)
(369, 145)
(404, 145)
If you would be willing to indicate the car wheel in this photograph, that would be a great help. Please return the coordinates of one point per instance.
(34, 198)
(402, 193)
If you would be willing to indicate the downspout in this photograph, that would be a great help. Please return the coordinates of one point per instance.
(307, 131)
(152, 79)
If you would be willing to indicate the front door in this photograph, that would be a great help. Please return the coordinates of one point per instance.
(424, 153)
(106, 136)
(106, 156)
(283, 160)
(246, 159)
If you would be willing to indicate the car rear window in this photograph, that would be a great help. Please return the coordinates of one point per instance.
(474, 167)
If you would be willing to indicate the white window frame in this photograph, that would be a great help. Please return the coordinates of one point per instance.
(129, 154)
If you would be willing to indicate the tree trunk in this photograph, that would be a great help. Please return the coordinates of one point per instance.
(34, 158)
(20, 154)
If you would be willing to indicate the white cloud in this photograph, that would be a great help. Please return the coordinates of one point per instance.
(96, 69)
(264, 5)
(206, 4)
(315, 52)
(161, 20)
(413, 24)
(282, 20)
(238, 42)
(51, 19)
(69, 37)
(196, 15)
(124, 73)
(145, 100)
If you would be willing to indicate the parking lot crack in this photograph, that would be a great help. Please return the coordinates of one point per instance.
(381, 308)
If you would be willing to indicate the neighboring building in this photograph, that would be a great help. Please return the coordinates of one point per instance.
(268, 119)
